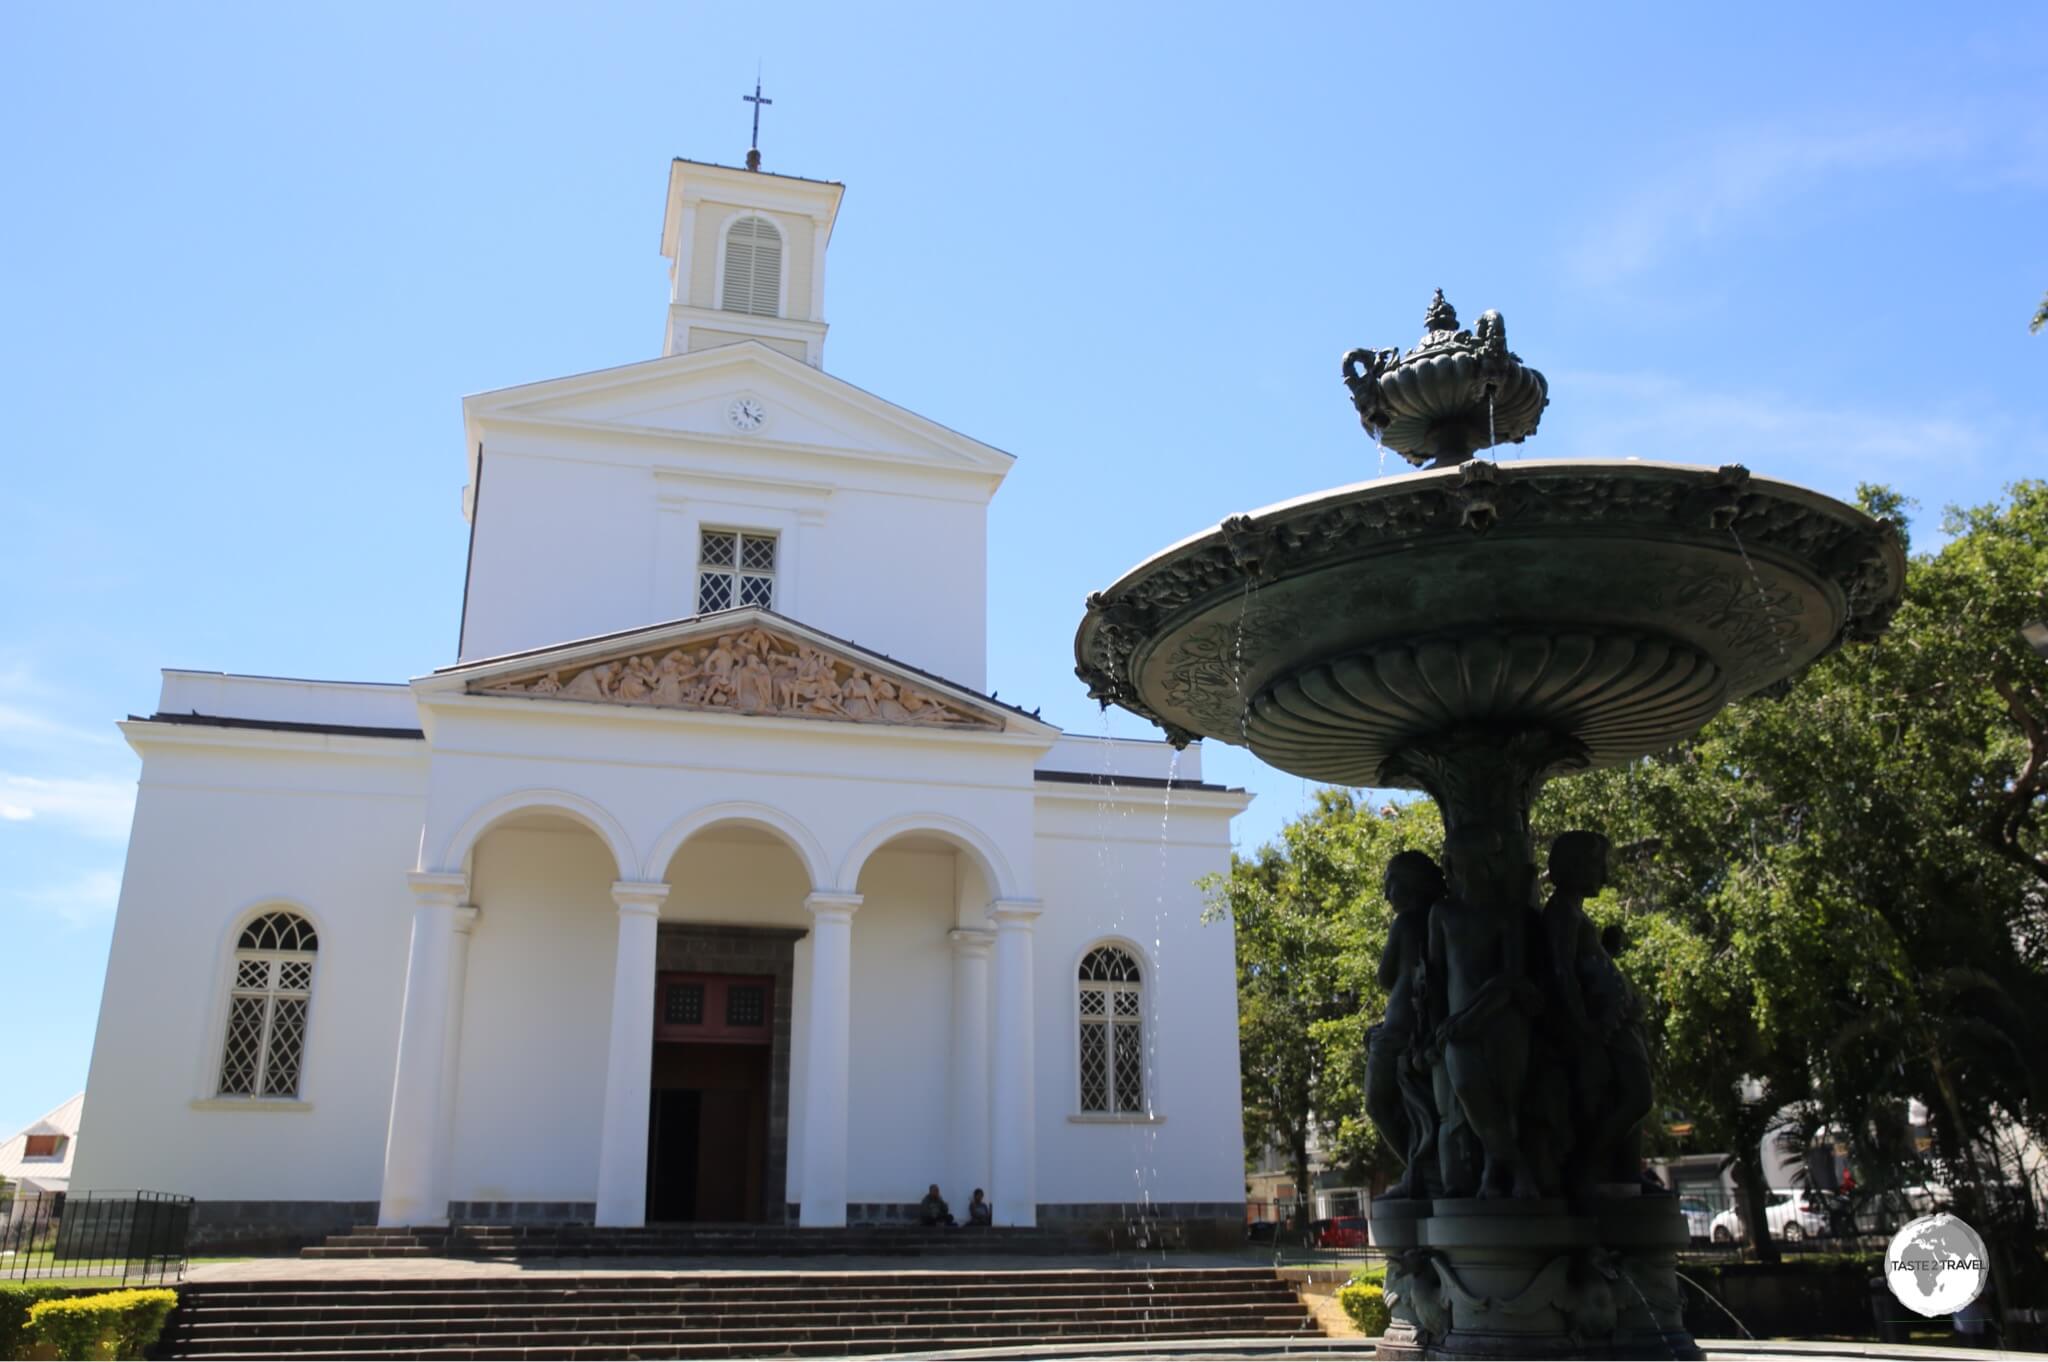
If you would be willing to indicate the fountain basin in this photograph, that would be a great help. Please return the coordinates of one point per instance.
(1615, 606)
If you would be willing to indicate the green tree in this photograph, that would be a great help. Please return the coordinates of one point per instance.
(1310, 924)
(1845, 886)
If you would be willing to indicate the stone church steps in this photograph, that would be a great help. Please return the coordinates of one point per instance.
(514, 1242)
(368, 1241)
(523, 1318)
(686, 1317)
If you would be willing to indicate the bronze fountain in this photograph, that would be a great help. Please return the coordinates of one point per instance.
(1473, 630)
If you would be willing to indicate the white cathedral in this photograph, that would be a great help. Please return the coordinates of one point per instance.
(707, 883)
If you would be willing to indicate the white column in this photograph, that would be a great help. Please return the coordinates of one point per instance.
(831, 1012)
(413, 1193)
(1013, 1133)
(622, 1142)
(969, 1083)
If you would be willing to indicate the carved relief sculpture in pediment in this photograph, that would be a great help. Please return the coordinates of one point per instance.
(748, 671)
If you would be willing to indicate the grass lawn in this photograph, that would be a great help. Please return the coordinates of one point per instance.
(42, 1271)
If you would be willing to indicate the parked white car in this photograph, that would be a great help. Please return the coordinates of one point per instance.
(1792, 1216)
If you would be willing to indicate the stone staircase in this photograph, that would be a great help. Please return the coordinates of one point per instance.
(782, 1314)
(507, 1243)
(367, 1241)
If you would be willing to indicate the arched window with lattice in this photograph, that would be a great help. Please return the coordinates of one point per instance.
(269, 994)
(753, 268)
(1112, 1004)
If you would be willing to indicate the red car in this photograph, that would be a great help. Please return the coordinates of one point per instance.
(1345, 1232)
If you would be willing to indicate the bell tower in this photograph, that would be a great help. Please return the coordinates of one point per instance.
(746, 253)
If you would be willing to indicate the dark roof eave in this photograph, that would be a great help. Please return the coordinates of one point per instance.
(282, 726)
(1136, 782)
(766, 174)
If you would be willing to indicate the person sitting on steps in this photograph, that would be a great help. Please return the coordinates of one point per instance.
(979, 1212)
(932, 1210)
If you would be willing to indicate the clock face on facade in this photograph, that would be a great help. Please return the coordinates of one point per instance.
(746, 414)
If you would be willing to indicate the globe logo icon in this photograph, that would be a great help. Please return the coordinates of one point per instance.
(1935, 1265)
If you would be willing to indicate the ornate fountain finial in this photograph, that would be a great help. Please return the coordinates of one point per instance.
(1441, 315)
(1455, 393)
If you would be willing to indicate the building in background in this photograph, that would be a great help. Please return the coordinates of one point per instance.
(36, 1162)
(708, 881)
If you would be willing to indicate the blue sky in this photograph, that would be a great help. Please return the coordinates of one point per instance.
(252, 257)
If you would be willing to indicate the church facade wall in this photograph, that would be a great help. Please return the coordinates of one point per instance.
(1124, 872)
(745, 820)
(223, 832)
(576, 538)
(898, 1106)
(529, 1081)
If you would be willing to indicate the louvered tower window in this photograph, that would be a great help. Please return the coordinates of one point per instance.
(753, 268)
(265, 1050)
(1112, 1033)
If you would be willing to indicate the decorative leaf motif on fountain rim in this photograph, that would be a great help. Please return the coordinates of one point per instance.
(1861, 560)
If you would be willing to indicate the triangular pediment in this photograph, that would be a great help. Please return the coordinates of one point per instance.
(692, 395)
(744, 662)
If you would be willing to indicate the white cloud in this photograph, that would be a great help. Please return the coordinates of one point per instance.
(1653, 416)
(99, 806)
(57, 774)
(25, 728)
(87, 897)
(1728, 186)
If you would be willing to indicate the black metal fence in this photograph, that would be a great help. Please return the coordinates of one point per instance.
(1334, 1230)
(1334, 1227)
(130, 1238)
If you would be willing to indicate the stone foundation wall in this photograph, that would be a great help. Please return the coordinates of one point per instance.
(522, 1212)
(1157, 1224)
(273, 1226)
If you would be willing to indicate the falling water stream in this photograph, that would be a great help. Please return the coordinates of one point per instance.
(1244, 705)
(1763, 597)
(1717, 1304)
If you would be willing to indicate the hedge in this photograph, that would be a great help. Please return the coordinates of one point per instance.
(115, 1324)
(15, 1301)
(1365, 1301)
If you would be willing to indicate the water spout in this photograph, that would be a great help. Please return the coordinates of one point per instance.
(1717, 1303)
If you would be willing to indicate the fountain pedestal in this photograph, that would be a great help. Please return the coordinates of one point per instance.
(1533, 1278)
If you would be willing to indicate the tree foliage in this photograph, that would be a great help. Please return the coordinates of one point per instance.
(1842, 894)
(1311, 923)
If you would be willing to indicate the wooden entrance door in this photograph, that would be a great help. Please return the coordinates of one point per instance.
(708, 1114)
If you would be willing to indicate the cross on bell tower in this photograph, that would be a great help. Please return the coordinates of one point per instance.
(754, 146)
